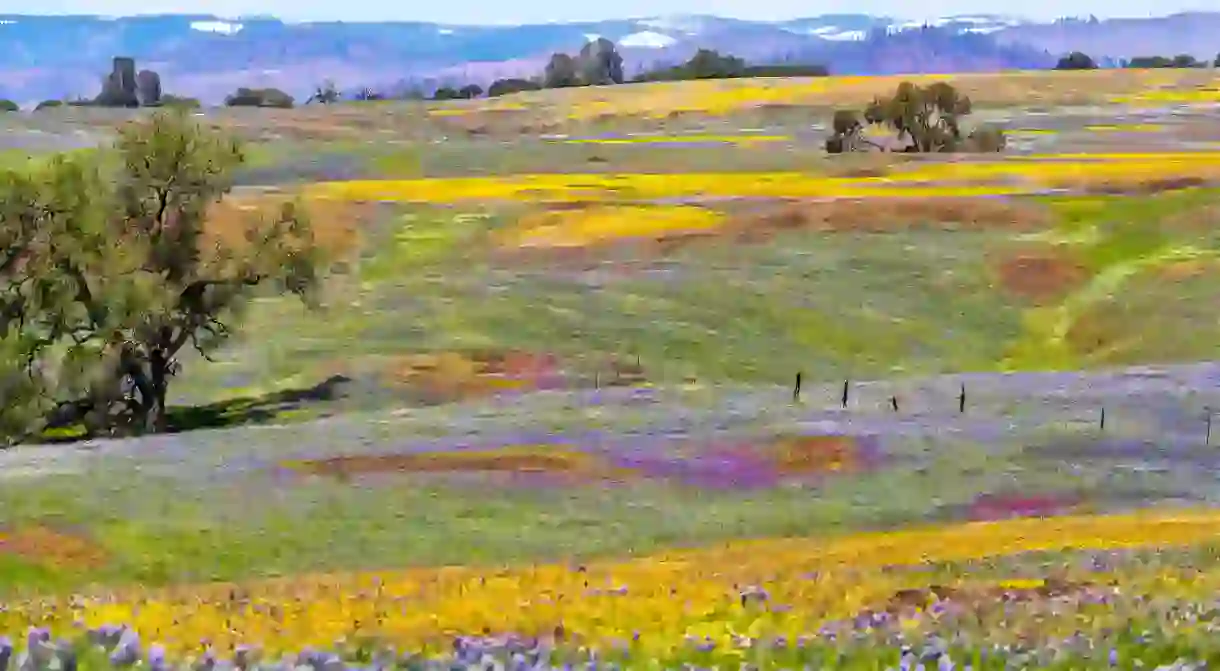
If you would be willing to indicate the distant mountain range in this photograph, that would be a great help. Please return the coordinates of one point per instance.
(209, 56)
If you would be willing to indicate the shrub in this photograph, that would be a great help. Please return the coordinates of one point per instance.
(180, 102)
(710, 64)
(269, 97)
(1076, 60)
(502, 87)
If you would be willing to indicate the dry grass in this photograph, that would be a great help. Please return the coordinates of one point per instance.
(336, 224)
(1095, 332)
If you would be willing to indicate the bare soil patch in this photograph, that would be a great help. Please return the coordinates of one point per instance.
(1145, 186)
(1040, 276)
(441, 462)
(447, 376)
(878, 215)
(45, 546)
(808, 455)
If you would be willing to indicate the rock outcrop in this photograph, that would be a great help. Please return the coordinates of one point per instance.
(123, 87)
(148, 88)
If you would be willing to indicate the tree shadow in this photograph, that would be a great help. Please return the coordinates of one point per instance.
(254, 409)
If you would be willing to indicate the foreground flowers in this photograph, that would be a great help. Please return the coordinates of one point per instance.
(744, 601)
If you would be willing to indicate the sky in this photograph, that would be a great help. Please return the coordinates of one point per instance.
(531, 11)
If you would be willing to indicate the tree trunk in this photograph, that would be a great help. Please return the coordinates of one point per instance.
(155, 419)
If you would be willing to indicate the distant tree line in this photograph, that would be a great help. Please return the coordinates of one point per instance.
(1179, 61)
(710, 64)
(598, 63)
(1078, 60)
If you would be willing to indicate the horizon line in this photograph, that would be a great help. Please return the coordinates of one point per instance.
(273, 17)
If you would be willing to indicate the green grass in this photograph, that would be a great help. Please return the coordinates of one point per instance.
(220, 526)
(862, 306)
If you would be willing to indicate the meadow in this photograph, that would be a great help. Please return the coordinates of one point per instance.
(545, 415)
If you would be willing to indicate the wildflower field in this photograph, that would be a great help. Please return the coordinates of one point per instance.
(546, 415)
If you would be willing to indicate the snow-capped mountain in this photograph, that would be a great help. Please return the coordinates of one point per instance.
(208, 56)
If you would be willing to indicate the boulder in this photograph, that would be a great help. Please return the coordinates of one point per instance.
(119, 87)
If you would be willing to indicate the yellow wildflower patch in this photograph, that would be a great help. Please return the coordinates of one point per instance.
(1125, 128)
(723, 97)
(913, 180)
(580, 228)
(596, 187)
(1207, 94)
(682, 139)
(664, 596)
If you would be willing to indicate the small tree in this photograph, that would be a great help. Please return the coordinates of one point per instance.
(985, 140)
(560, 72)
(1076, 60)
(325, 94)
(708, 64)
(502, 87)
(470, 91)
(845, 133)
(270, 97)
(925, 119)
(9, 106)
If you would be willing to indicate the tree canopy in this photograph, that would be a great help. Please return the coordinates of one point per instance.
(925, 119)
(108, 271)
(1077, 60)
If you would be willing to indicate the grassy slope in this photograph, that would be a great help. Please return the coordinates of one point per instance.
(834, 306)
(838, 305)
(831, 305)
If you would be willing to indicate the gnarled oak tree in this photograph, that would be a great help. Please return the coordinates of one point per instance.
(108, 272)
